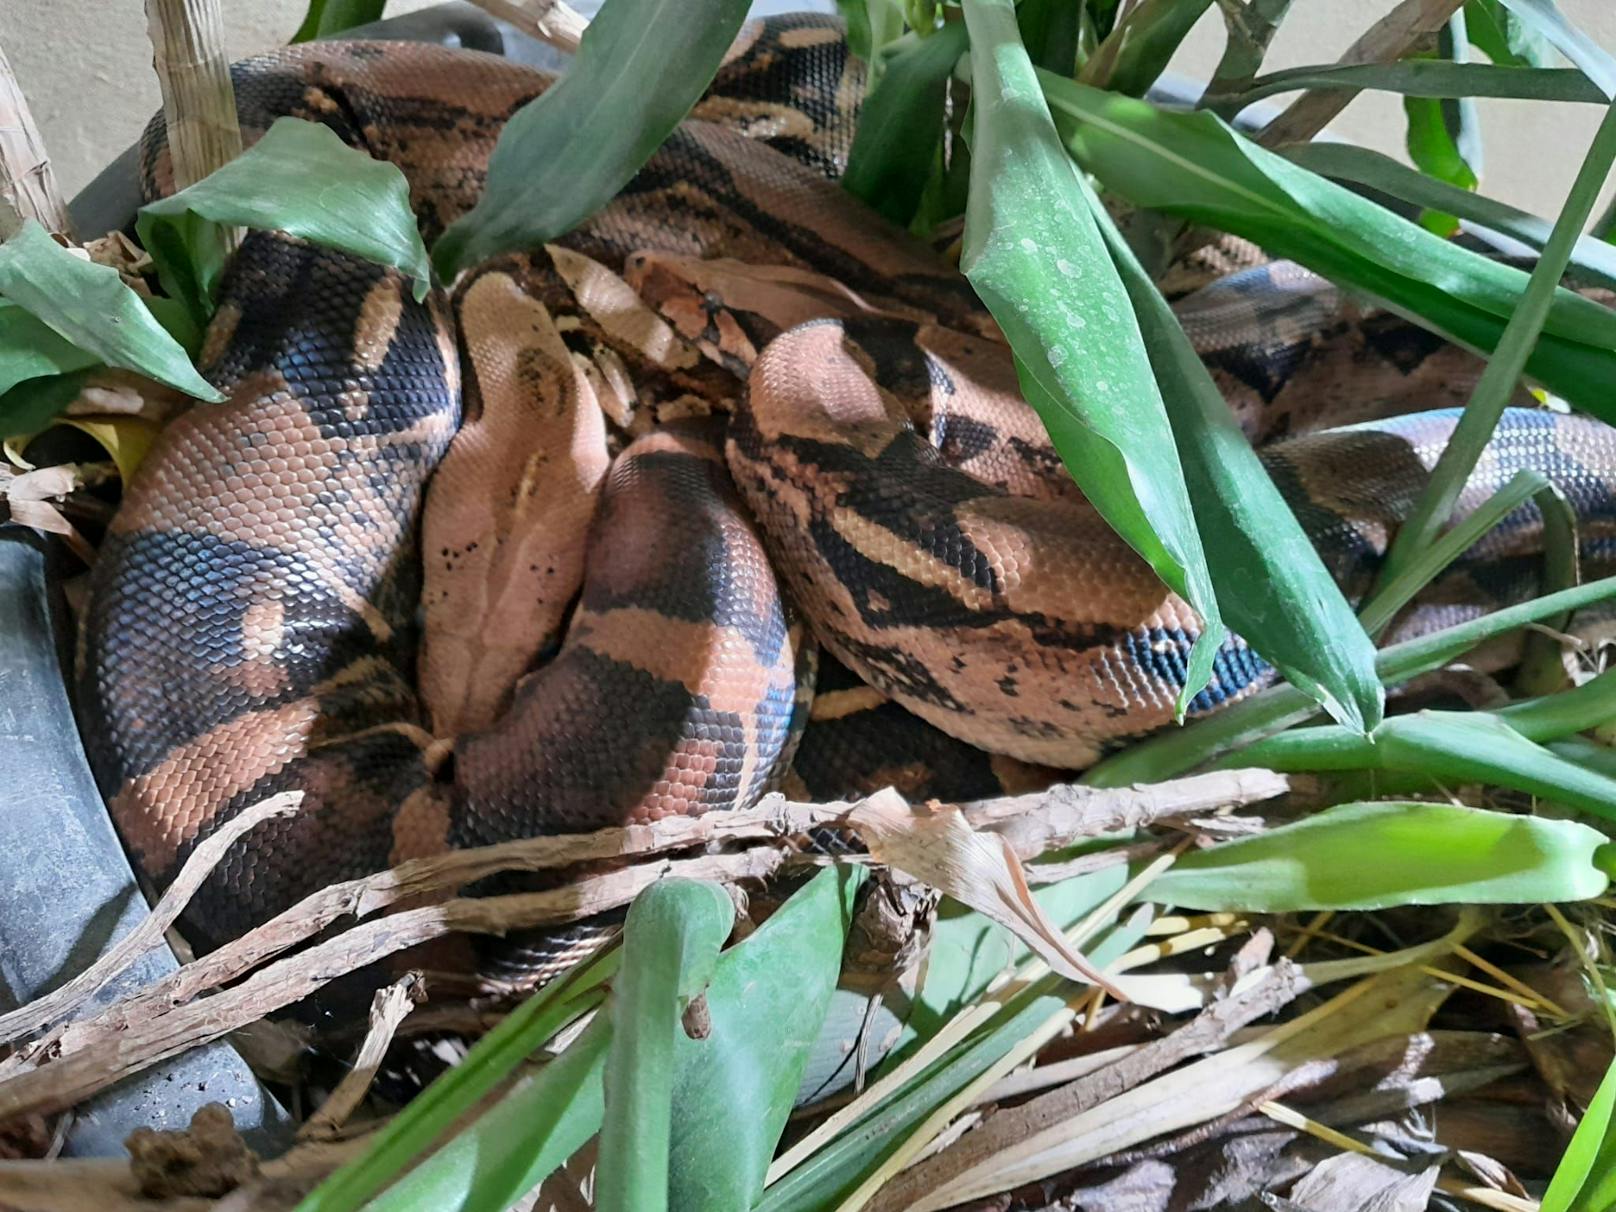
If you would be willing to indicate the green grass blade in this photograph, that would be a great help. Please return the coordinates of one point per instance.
(1036, 258)
(300, 178)
(91, 308)
(734, 1088)
(1444, 746)
(1585, 1179)
(328, 17)
(1379, 855)
(1400, 590)
(1497, 383)
(517, 1143)
(670, 949)
(1139, 49)
(564, 155)
(1194, 166)
(1544, 20)
(901, 124)
(1502, 37)
(1424, 78)
(1173, 753)
(1272, 586)
(1591, 259)
(494, 1058)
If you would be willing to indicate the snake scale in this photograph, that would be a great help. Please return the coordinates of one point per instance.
(557, 551)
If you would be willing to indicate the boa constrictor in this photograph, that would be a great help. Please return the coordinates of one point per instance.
(403, 571)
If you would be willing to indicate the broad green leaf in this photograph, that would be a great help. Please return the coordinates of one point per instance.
(1585, 1179)
(1446, 747)
(1591, 259)
(34, 403)
(1444, 133)
(1426, 78)
(497, 1055)
(871, 25)
(90, 307)
(1049, 29)
(1504, 38)
(1173, 753)
(564, 155)
(31, 349)
(837, 1168)
(514, 1145)
(1546, 21)
(328, 17)
(1196, 167)
(1138, 50)
(670, 948)
(1037, 259)
(300, 178)
(734, 1088)
(901, 125)
(1377, 855)
(1272, 586)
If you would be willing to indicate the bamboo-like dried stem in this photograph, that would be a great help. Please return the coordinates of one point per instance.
(1389, 38)
(199, 103)
(28, 187)
(552, 21)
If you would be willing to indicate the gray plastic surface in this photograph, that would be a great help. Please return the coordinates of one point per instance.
(66, 889)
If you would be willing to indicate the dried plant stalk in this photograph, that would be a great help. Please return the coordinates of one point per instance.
(28, 187)
(1389, 38)
(199, 103)
(552, 21)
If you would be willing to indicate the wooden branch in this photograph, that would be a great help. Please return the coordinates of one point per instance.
(552, 21)
(1388, 39)
(387, 1010)
(28, 187)
(199, 103)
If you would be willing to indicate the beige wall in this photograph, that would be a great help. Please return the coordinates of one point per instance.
(86, 68)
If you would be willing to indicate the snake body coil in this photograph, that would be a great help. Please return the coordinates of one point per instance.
(257, 612)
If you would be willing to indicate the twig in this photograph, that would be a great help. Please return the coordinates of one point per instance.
(552, 21)
(387, 1010)
(85, 1056)
(1388, 39)
(28, 187)
(62, 1002)
(199, 104)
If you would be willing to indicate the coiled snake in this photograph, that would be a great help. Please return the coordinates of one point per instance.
(402, 570)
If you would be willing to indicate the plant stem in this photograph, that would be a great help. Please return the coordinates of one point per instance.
(1497, 382)
(28, 187)
(199, 103)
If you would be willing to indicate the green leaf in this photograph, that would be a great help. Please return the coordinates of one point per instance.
(90, 307)
(1432, 78)
(1138, 50)
(1036, 258)
(31, 349)
(300, 178)
(871, 25)
(1377, 855)
(35, 403)
(1172, 753)
(1592, 259)
(733, 1089)
(1585, 1179)
(1545, 21)
(328, 17)
(1272, 586)
(1444, 746)
(514, 1145)
(1444, 134)
(491, 1061)
(670, 949)
(564, 155)
(901, 125)
(1504, 38)
(1194, 166)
